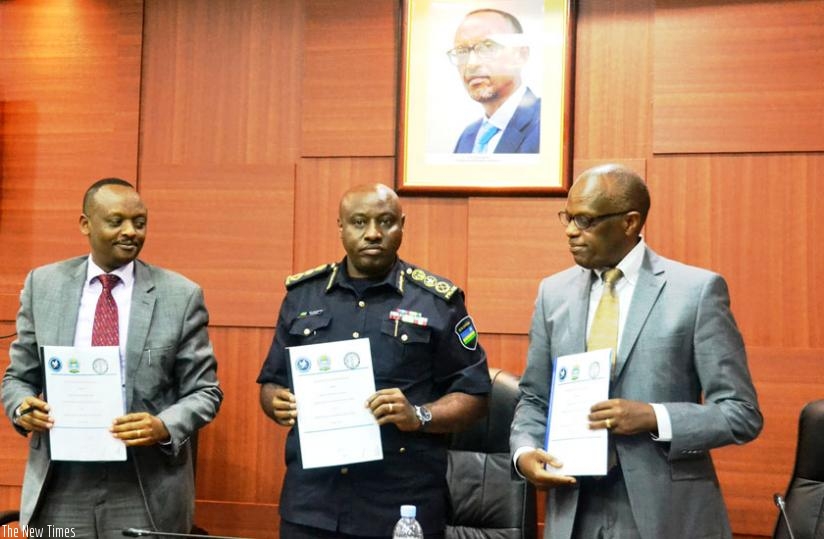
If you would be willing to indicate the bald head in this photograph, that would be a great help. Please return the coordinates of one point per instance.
(378, 191)
(604, 215)
(371, 229)
(614, 188)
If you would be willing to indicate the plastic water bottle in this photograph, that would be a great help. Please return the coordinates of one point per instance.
(407, 527)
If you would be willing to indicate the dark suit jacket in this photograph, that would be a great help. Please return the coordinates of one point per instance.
(522, 133)
(680, 347)
(170, 372)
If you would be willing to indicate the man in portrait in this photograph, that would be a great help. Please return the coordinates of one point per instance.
(490, 53)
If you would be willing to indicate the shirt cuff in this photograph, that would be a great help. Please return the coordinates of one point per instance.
(662, 417)
(518, 452)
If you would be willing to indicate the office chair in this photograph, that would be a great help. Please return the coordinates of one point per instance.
(487, 500)
(805, 494)
(7, 517)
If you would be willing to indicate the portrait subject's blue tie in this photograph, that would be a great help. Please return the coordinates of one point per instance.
(485, 134)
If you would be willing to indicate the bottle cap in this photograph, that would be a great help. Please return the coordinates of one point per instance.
(408, 511)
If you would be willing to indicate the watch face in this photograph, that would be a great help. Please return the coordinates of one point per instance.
(423, 413)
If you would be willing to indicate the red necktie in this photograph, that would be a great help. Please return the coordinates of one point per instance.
(105, 331)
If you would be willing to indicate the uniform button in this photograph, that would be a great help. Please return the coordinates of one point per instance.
(355, 334)
(404, 337)
(344, 471)
(361, 304)
(307, 331)
(402, 450)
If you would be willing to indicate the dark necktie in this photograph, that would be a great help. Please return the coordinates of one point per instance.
(105, 331)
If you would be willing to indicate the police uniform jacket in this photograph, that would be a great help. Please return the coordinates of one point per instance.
(422, 341)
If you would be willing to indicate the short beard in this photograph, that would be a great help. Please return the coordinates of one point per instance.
(484, 94)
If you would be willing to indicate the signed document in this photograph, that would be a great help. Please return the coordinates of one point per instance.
(331, 382)
(578, 382)
(83, 389)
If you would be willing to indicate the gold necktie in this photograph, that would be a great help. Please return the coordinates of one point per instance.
(604, 334)
(604, 330)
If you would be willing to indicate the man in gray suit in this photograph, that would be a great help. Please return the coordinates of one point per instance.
(680, 382)
(170, 385)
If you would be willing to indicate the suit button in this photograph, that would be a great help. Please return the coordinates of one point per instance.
(344, 471)
(307, 331)
(404, 337)
(355, 334)
(361, 304)
(402, 450)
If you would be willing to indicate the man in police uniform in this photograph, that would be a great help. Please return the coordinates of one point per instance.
(430, 373)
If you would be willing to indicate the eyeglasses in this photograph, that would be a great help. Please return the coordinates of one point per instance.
(583, 222)
(486, 50)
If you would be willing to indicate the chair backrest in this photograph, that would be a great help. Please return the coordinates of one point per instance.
(805, 495)
(488, 501)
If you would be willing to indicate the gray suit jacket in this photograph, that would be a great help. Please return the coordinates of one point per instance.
(680, 344)
(170, 372)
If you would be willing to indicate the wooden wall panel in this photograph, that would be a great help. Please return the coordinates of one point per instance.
(219, 144)
(513, 243)
(240, 454)
(320, 184)
(763, 236)
(69, 97)
(786, 379)
(612, 80)
(507, 352)
(221, 82)
(350, 78)
(738, 76)
(227, 227)
(436, 237)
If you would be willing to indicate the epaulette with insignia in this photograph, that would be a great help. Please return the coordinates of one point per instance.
(436, 285)
(323, 269)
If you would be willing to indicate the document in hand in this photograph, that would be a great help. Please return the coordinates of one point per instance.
(331, 382)
(84, 391)
(578, 382)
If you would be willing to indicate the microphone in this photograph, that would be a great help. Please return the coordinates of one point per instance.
(779, 502)
(137, 532)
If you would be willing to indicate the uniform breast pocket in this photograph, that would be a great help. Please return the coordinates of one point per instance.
(406, 334)
(308, 328)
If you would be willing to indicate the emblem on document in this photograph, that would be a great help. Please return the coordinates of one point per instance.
(100, 366)
(351, 360)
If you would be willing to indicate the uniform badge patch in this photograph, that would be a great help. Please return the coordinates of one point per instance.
(467, 335)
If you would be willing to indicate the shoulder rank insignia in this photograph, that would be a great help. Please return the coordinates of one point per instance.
(436, 285)
(323, 269)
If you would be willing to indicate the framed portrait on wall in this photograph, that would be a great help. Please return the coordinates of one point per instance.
(486, 90)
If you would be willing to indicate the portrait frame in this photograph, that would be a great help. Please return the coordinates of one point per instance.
(436, 110)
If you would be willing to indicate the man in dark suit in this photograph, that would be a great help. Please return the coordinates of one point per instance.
(430, 373)
(680, 383)
(489, 54)
(169, 385)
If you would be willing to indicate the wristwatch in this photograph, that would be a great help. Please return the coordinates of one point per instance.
(424, 416)
(17, 415)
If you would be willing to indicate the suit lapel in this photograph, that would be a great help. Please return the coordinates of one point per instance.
(59, 304)
(650, 282)
(578, 308)
(140, 318)
(68, 307)
(515, 130)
